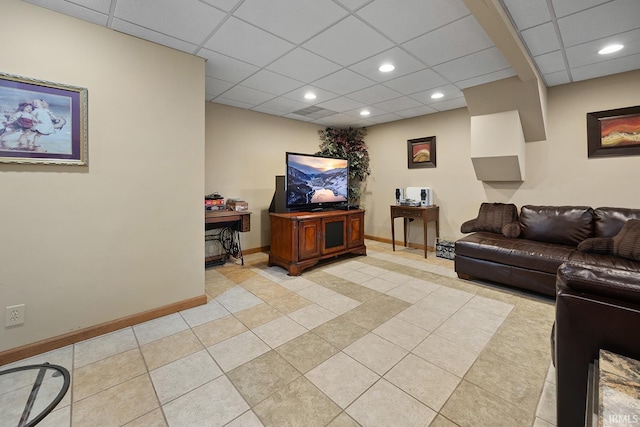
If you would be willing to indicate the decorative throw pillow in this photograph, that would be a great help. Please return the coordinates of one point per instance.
(498, 218)
(626, 244)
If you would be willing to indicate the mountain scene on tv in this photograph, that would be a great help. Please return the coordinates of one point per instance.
(316, 180)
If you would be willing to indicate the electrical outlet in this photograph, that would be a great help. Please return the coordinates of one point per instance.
(14, 315)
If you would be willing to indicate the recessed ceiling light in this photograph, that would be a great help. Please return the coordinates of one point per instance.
(309, 95)
(610, 49)
(365, 112)
(437, 95)
(385, 68)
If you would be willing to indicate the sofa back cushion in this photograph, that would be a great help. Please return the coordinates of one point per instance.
(493, 217)
(609, 221)
(564, 225)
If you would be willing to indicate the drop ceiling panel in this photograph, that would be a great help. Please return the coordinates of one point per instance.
(385, 118)
(101, 6)
(373, 110)
(344, 81)
(353, 4)
(233, 103)
(527, 13)
(271, 82)
(541, 39)
(146, 34)
(216, 87)
(337, 119)
(404, 63)
(412, 17)
(348, 42)
(485, 78)
(587, 53)
(293, 20)
(415, 112)
(567, 7)
(247, 43)
(247, 95)
(300, 64)
(96, 12)
(449, 104)
(66, 7)
(188, 20)
(602, 21)
(283, 105)
(463, 37)
(449, 91)
(321, 95)
(374, 94)
(550, 62)
(341, 104)
(474, 65)
(264, 55)
(557, 78)
(226, 68)
(397, 104)
(416, 82)
(614, 66)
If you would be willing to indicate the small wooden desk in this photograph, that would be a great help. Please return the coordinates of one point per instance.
(237, 221)
(241, 219)
(408, 213)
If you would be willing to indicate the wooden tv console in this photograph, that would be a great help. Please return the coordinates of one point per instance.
(300, 239)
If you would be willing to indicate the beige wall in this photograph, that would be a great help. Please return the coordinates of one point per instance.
(558, 170)
(245, 150)
(86, 245)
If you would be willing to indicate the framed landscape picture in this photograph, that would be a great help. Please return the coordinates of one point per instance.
(42, 122)
(614, 132)
(421, 152)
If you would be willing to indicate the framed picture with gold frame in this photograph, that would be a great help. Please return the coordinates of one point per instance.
(614, 132)
(421, 152)
(42, 122)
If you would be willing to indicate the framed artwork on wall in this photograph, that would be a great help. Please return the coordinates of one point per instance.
(421, 152)
(42, 122)
(614, 132)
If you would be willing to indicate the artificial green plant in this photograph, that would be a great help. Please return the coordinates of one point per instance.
(348, 144)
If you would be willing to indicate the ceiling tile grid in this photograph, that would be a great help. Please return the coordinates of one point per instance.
(564, 36)
(266, 55)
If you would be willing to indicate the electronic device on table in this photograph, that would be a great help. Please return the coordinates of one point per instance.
(414, 196)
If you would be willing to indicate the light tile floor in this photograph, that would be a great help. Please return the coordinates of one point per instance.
(390, 339)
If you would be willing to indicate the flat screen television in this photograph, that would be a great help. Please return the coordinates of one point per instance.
(316, 182)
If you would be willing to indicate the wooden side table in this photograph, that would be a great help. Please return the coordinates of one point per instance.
(409, 213)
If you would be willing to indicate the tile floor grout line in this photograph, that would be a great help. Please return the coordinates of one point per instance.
(383, 259)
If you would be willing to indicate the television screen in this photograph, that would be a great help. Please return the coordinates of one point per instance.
(315, 181)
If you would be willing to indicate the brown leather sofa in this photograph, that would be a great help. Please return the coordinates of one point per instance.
(525, 250)
(596, 308)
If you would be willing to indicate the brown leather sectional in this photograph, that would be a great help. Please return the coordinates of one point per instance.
(549, 236)
(597, 290)
(596, 308)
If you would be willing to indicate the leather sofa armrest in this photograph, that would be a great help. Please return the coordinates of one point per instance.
(617, 284)
(469, 226)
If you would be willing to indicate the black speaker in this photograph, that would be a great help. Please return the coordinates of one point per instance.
(423, 197)
(399, 195)
(278, 201)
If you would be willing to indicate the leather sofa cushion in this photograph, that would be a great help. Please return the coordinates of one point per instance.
(528, 254)
(625, 244)
(564, 225)
(609, 221)
(496, 218)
